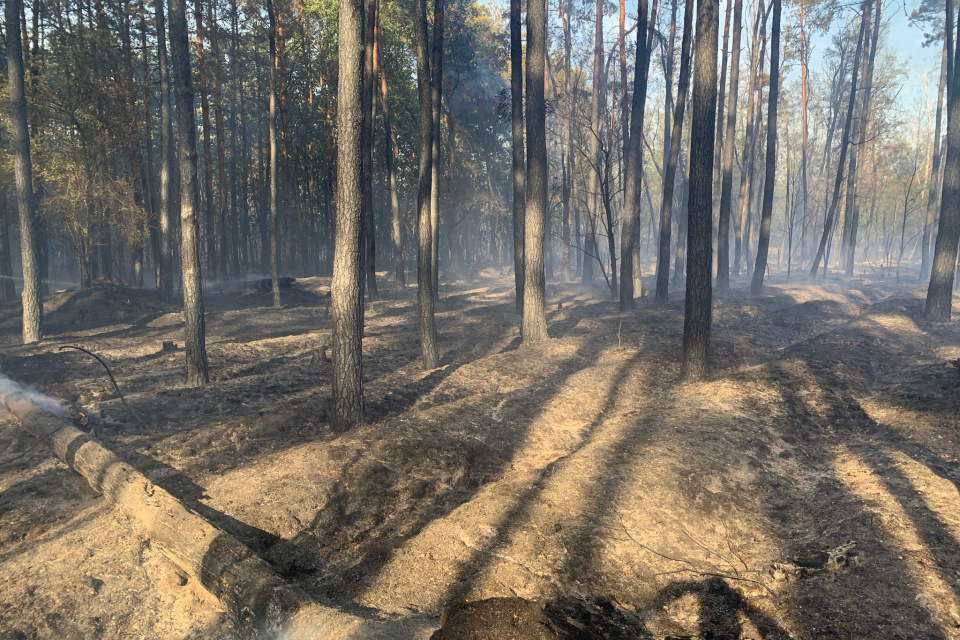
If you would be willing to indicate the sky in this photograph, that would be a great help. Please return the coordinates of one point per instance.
(907, 41)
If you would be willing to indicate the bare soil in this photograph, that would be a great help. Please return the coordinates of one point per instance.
(809, 490)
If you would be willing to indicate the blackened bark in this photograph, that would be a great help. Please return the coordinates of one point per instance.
(699, 294)
(850, 245)
(519, 169)
(770, 175)
(210, 227)
(194, 330)
(591, 249)
(425, 297)
(670, 171)
(167, 196)
(724, 56)
(223, 263)
(436, 70)
(633, 159)
(934, 178)
(534, 325)
(346, 304)
(272, 221)
(754, 96)
(940, 289)
(369, 238)
(726, 182)
(844, 144)
(23, 173)
(391, 163)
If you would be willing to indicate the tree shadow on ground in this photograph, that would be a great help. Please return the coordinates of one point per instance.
(863, 494)
(720, 611)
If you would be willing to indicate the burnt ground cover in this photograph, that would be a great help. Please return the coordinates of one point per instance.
(809, 490)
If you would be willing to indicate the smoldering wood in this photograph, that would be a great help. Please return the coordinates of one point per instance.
(259, 600)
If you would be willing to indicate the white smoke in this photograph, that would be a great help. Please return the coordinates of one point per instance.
(55, 406)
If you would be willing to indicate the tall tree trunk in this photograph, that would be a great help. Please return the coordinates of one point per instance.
(369, 230)
(862, 123)
(390, 155)
(286, 212)
(273, 220)
(624, 92)
(237, 203)
(770, 169)
(519, 169)
(167, 180)
(194, 330)
(436, 69)
(805, 128)
(844, 143)
(940, 289)
(346, 302)
(670, 170)
(699, 294)
(147, 175)
(23, 172)
(591, 250)
(569, 230)
(754, 88)
(668, 84)
(534, 324)
(934, 178)
(726, 183)
(724, 56)
(749, 132)
(223, 252)
(210, 227)
(629, 236)
(425, 297)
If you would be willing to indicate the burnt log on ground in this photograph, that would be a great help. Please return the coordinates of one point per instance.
(261, 602)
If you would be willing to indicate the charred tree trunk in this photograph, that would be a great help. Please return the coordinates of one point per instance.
(591, 250)
(346, 302)
(633, 159)
(724, 57)
(519, 168)
(850, 246)
(754, 89)
(165, 259)
(210, 227)
(934, 179)
(23, 173)
(940, 289)
(699, 294)
(844, 143)
(670, 170)
(770, 169)
(804, 125)
(369, 236)
(534, 324)
(436, 69)
(272, 222)
(425, 297)
(194, 330)
(390, 156)
(223, 251)
(726, 182)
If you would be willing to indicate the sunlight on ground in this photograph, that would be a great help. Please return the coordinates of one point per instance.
(934, 593)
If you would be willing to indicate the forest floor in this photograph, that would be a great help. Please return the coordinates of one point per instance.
(809, 490)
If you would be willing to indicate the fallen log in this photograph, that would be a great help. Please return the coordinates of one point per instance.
(261, 602)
